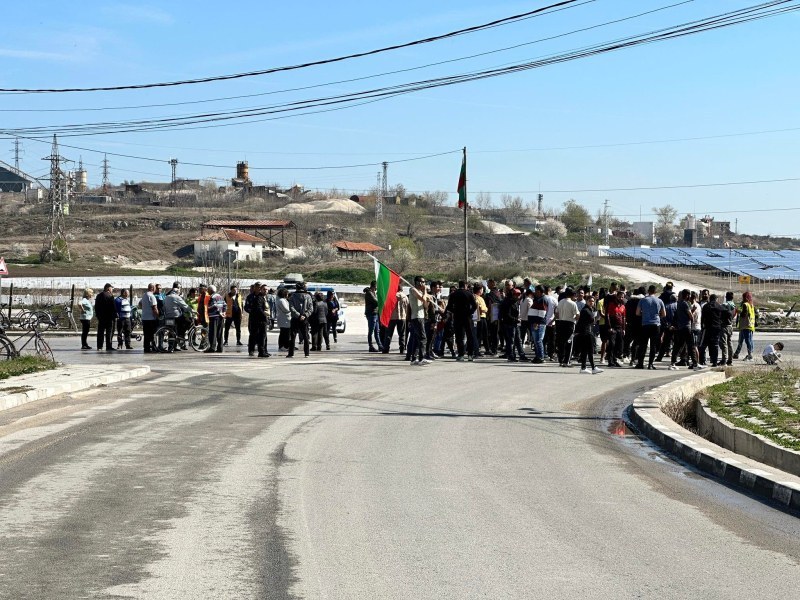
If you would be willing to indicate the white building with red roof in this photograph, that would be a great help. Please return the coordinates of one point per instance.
(216, 245)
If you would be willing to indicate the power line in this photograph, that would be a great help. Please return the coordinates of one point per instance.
(638, 189)
(737, 17)
(478, 151)
(633, 189)
(353, 79)
(214, 166)
(490, 25)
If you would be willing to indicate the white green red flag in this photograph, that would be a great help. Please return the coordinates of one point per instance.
(462, 184)
(388, 282)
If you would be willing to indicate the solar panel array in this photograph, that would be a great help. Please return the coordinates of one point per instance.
(764, 265)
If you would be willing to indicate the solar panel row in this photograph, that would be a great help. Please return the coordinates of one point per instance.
(765, 265)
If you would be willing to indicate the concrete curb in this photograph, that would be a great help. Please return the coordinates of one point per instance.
(724, 433)
(8, 401)
(647, 417)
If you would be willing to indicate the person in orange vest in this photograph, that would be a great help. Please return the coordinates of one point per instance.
(233, 314)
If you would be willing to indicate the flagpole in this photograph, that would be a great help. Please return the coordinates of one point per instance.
(466, 236)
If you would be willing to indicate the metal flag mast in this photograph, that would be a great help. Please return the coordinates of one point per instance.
(466, 236)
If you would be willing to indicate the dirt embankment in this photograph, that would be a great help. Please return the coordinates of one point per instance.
(493, 247)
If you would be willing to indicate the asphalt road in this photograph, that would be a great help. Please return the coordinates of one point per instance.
(350, 475)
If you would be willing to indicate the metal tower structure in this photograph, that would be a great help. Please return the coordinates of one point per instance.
(384, 192)
(17, 153)
(55, 245)
(105, 175)
(174, 185)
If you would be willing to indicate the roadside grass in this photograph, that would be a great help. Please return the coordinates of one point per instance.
(24, 365)
(763, 402)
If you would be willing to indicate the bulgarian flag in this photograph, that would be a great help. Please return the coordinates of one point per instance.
(388, 282)
(462, 184)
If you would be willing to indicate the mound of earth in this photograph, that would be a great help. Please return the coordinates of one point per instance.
(507, 247)
(337, 205)
(500, 228)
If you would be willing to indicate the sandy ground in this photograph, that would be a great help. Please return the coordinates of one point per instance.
(645, 276)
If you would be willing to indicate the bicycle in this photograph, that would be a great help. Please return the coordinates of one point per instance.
(167, 340)
(21, 319)
(9, 349)
(45, 319)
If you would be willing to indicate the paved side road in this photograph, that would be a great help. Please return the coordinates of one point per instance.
(348, 475)
(65, 379)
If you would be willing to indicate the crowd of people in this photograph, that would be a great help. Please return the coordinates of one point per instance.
(301, 318)
(516, 322)
(535, 323)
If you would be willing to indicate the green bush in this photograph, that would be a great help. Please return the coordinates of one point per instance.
(178, 270)
(405, 243)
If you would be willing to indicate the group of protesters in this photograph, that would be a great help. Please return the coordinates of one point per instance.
(312, 319)
(509, 320)
(521, 322)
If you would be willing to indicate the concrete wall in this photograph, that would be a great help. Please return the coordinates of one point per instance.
(741, 441)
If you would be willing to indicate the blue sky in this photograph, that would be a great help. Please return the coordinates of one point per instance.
(735, 80)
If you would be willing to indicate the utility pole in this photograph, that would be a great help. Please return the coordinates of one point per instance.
(16, 154)
(384, 191)
(105, 175)
(605, 220)
(173, 186)
(55, 245)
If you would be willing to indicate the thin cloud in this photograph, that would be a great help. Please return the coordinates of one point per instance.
(38, 55)
(139, 14)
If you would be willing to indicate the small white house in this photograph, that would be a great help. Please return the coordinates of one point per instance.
(214, 245)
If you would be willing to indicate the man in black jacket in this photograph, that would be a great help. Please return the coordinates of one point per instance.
(300, 308)
(711, 321)
(371, 313)
(461, 304)
(257, 322)
(105, 310)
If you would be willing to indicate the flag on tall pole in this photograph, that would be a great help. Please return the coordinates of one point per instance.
(388, 283)
(462, 184)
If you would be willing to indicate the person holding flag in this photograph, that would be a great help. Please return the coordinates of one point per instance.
(387, 283)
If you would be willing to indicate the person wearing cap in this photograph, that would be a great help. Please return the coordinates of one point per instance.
(215, 311)
(106, 312)
(122, 306)
(87, 312)
(175, 307)
(300, 307)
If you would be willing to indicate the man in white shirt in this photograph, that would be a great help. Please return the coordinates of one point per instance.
(566, 315)
(149, 318)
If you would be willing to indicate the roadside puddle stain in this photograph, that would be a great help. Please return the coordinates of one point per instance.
(619, 427)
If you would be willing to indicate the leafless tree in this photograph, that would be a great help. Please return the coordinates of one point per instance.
(513, 208)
